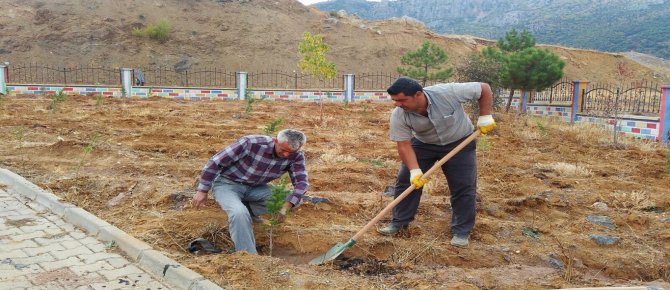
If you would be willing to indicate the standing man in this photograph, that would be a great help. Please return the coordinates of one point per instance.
(238, 176)
(427, 124)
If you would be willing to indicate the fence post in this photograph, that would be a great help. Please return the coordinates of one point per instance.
(295, 80)
(524, 101)
(126, 82)
(578, 98)
(3, 79)
(349, 88)
(664, 121)
(241, 85)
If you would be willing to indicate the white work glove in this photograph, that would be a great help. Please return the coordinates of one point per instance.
(486, 123)
(416, 177)
(281, 217)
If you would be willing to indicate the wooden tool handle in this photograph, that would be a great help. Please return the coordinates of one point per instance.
(407, 191)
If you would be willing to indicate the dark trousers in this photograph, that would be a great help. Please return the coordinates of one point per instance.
(461, 173)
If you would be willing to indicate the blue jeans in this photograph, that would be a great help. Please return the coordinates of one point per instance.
(240, 201)
(461, 173)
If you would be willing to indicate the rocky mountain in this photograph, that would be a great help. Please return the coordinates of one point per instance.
(613, 25)
(250, 35)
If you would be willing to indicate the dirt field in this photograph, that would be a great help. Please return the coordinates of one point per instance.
(135, 163)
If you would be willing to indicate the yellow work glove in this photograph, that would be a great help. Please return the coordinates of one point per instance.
(415, 176)
(486, 123)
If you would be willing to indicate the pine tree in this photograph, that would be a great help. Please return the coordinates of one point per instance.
(425, 63)
(525, 67)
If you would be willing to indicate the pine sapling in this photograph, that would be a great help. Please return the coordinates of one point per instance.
(272, 127)
(92, 142)
(274, 205)
(249, 100)
(99, 100)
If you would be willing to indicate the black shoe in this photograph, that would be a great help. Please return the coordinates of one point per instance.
(392, 229)
(199, 245)
(257, 220)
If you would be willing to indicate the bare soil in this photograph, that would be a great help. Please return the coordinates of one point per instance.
(135, 164)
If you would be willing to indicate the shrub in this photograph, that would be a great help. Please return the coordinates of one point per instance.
(99, 100)
(249, 100)
(160, 31)
(56, 100)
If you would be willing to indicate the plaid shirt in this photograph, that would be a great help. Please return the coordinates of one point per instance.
(251, 160)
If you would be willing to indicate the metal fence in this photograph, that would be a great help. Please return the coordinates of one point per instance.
(77, 75)
(641, 98)
(203, 77)
(374, 81)
(193, 77)
(380, 81)
(276, 79)
(558, 94)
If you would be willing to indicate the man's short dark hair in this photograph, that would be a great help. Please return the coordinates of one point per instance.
(404, 85)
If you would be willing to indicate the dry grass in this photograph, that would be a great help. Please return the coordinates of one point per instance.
(632, 200)
(402, 254)
(590, 133)
(436, 185)
(331, 158)
(565, 169)
(528, 135)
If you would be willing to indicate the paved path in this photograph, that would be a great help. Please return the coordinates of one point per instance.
(38, 250)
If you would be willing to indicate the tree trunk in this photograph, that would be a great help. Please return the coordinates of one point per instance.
(509, 101)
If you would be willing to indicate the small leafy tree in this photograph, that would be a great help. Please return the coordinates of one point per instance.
(312, 51)
(425, 63)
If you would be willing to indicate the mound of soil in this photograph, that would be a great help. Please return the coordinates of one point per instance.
(548, 192)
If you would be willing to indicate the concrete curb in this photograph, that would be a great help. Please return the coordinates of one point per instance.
(150, 260)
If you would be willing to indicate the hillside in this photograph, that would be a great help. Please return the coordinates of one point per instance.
(614, 26)
(249, 35)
